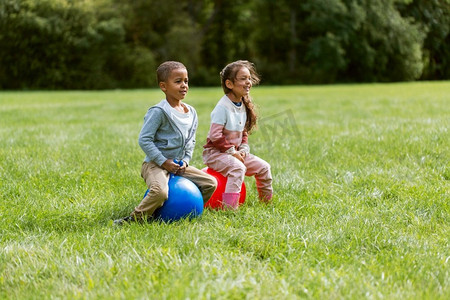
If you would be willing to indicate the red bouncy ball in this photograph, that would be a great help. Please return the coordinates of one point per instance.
(216, 199)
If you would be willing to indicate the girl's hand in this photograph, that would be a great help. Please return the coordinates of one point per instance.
(239, 156)
(170, 166)
(243, 153)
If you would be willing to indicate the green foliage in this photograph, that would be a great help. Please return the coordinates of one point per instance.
(361, 207)
(63, 44)
(393, 45)
(434, 17)
(342, 41)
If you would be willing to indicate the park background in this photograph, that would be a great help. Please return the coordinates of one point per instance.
(361, 172)
(106, 44)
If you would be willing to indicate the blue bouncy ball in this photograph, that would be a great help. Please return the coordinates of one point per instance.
(185, 201)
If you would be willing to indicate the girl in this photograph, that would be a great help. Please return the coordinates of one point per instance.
(227, 150)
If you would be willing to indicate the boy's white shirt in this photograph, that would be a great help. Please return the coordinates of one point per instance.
(182, 120)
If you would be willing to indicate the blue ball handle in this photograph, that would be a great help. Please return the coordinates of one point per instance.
(180, 162)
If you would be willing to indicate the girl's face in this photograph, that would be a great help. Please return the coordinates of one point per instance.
(242, 84)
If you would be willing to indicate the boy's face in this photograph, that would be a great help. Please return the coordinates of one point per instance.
(176, 86)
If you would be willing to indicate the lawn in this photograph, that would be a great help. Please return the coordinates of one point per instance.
(361, 206)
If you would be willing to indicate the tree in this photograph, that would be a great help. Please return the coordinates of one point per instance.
(62, 44)
(393, 44)
(434, 17)
(91, 44)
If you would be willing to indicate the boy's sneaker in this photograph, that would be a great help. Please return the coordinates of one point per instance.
(131, 219)
(126, 220)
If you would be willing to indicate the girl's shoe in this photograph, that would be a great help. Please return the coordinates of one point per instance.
(230, 201)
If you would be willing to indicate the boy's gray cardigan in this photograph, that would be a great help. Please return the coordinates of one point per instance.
(160, 138)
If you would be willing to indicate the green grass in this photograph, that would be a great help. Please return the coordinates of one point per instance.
(361, 206)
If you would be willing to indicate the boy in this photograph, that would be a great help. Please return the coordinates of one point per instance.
(168, 133)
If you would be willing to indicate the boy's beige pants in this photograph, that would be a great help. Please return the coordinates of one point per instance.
(157, 180)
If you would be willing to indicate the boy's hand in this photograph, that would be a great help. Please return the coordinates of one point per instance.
(181, 170)
(171, 167)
